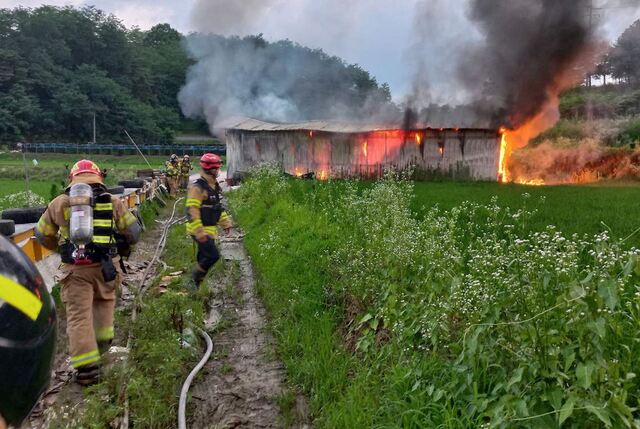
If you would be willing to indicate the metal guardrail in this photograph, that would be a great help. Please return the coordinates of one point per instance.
(123, 149)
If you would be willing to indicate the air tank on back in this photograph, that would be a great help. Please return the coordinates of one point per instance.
(81, 217)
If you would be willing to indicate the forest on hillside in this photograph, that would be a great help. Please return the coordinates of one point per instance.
(60, 66)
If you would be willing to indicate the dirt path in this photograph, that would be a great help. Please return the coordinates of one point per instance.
(242, 383)
(65, 397)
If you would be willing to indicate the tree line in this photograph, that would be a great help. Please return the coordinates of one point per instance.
(60, 66)
(622, 63)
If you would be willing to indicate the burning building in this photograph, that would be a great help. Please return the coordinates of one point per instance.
(343, 150)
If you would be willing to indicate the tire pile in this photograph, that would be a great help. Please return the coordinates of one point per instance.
(12, 217)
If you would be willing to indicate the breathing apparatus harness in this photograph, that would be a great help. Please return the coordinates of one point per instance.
(211, 208)
(91, 229)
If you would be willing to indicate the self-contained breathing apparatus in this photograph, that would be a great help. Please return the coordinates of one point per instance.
(211, 209)
(91, 229)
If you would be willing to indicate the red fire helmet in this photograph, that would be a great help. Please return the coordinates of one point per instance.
(210, 161)
(84, 166)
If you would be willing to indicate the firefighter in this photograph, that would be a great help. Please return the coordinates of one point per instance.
(84, 235)
(172, 168)
(28, 328)
(205, 213)
(185, 171)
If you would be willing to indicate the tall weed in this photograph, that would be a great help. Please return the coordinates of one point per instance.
(462, 318)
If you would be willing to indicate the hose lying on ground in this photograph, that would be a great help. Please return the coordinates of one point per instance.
(142, 289)
(182, 408)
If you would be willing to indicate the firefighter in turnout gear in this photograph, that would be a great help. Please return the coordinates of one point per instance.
(205, 213)
(172, 168)
(185, 171)
(81, 225)
(28, 328)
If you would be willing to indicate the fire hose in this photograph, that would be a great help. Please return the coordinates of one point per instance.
(182, 407)
(142, 289)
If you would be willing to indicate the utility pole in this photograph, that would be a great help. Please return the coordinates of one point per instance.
(590, 32)
(23, 147)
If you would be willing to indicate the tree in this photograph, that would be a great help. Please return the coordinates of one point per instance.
(59, 66)
(624, 59)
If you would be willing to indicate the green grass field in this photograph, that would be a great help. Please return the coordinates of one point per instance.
(57, 160)
(572, 209)
(388, 315)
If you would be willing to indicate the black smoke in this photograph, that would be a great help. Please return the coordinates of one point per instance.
(530, 50)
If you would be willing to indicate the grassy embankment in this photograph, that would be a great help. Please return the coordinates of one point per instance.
(388, 315)
(609, 115)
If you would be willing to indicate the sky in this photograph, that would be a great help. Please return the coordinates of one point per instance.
(377, 34)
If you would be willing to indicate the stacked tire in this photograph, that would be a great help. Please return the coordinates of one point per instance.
(12, 217)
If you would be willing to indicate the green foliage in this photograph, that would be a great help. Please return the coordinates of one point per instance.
(149, 211)
(563, 129)
(630, 133)
(466, 317)
(62, 65)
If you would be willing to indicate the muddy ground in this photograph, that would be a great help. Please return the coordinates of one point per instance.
(243, 383)
(64, 397)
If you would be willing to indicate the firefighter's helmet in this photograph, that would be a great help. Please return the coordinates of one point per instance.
(173, 158)
(84, 166)
(28, 329)
(210, 161)
(186, 157)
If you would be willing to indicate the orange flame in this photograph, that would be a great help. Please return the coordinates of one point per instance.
(298, 172)
(365, 149)
(532, 182)
(310, 134)
(418, 139)
(504, 149)
(323, 175)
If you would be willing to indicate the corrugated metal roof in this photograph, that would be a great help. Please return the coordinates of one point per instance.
(250, 124)
(440, 120)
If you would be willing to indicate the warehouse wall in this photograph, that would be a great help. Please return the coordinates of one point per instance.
(472, 154)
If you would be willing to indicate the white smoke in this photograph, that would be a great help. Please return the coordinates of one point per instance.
(444, 40)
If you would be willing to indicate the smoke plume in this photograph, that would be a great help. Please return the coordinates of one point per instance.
(275, 81)
(228, 17)
(531, 51)
(516, 57)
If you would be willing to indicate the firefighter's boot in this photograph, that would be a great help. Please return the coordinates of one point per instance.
(104, 346)
(197, 276)
(88, 375)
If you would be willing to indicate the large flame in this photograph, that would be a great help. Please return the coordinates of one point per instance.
(502, 164)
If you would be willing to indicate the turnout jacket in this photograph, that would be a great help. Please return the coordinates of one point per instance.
(173, 170)
(204, 208)
(185, 168)
(52, 229)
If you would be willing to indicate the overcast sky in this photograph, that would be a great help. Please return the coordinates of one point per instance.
(377, 34)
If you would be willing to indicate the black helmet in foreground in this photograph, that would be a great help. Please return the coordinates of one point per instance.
(28, 330)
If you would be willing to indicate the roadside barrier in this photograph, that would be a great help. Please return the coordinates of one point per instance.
(26, 219)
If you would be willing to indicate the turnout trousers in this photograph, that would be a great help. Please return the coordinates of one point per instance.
(206, 257)
(90, 303)
(173, 185)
